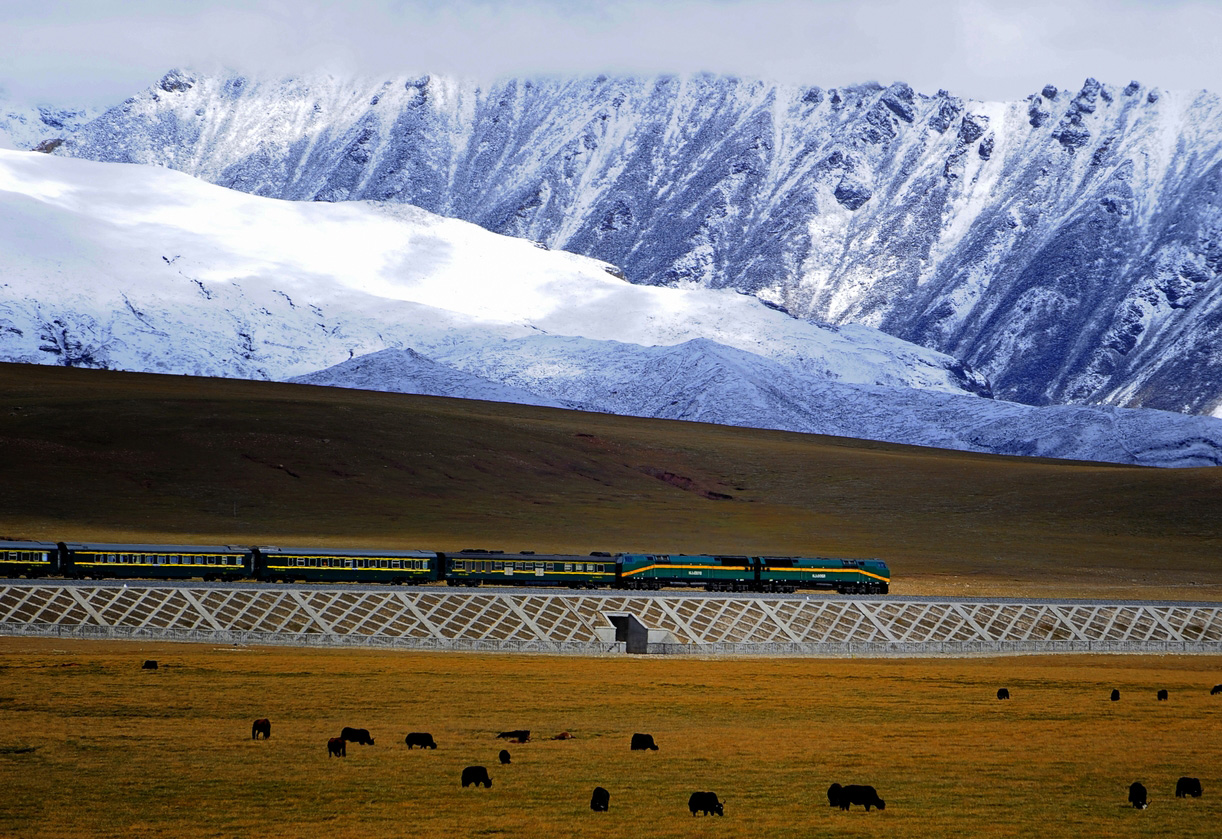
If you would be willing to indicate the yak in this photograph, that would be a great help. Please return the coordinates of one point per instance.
(833, 795)
(1162, 695)
(520, 735)
(420, 738)
(337, 747)
(504, 756)
(263, 727)
(860, 794)
(357, 735)
(707, 803)
(600, 801)
(1003, 693)
(1188, 786)
(1115, 695)
(640, 742)
(1215, 690)
(1137, 795)
(477, 775)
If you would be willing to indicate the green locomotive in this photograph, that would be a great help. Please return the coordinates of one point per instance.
(754, 573)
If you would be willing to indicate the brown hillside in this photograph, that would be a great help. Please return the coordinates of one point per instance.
(87, 454)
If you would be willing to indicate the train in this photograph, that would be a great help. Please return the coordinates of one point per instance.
(266, 563)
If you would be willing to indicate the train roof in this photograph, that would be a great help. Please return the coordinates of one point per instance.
(117, 547)
(15, 545)
(530, 556)
(359, 554)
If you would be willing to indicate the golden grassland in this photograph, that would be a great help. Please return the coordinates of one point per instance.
(98, 455)
(122, 752)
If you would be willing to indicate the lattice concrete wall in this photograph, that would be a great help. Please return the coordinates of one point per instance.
(568, 622)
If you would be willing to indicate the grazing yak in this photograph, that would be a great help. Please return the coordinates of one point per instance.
(1115, 695)
(1137, 795)
(860, 794)
(707, 803)
(1215, 690)
(149, 665)
(263, 727)
(477, 775)
(521, 735)
(1003, 693)
(337, 747)
(357, 735)
(420, 738)
(504, 756)
(641, 742)
(1188, 786)
(600, 801)
(1162, 695)
(833, 795)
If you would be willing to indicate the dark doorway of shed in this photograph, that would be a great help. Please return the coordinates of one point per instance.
(632, 632)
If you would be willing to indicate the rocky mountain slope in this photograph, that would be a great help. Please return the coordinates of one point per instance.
(1065, 245)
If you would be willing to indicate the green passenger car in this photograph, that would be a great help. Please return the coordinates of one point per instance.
(114, 561)
(322, 565)
(474, 568)
(28, 559)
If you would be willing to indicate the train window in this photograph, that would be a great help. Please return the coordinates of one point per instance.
(568, 566)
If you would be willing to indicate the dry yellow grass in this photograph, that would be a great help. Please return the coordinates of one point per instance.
(122, 752)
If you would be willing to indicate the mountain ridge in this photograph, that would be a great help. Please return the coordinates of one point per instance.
(1064, 245)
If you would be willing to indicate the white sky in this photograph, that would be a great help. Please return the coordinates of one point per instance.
(101, 51)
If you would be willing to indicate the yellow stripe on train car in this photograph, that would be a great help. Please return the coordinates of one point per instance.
(826, 571)
(689, 568)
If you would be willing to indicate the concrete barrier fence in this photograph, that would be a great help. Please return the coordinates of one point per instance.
(602, 623)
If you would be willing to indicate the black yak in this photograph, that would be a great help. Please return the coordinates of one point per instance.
(640, 742)
(420, 738)
(1188, 786)
(600, 801)
(477, 775)
(706, 802)
(860, 794)
(357, 735)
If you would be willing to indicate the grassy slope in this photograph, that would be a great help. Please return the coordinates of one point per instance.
(122, 752)
(102, 455)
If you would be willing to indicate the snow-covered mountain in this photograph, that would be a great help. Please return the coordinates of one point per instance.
(139, 267)
(25, 127)
(143, 268)
(703, 381)
(407, 371)
(1066, 245)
